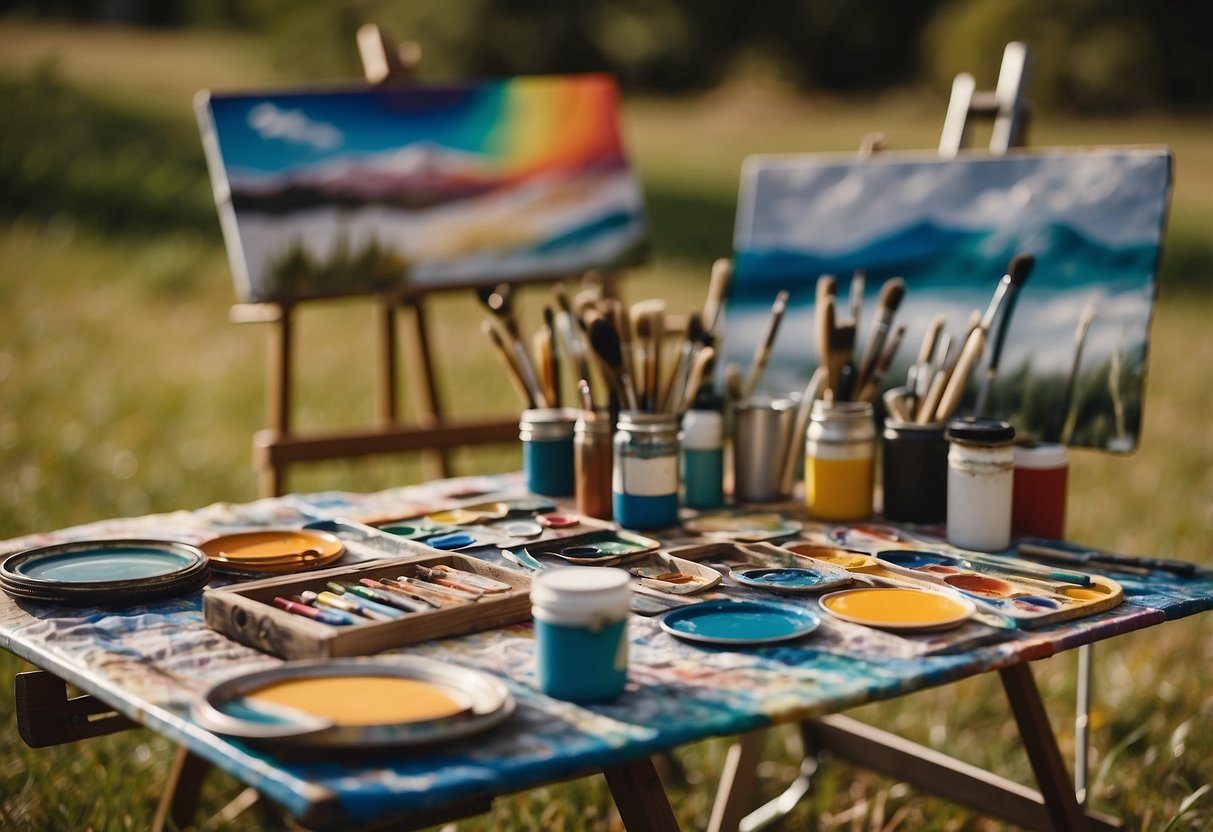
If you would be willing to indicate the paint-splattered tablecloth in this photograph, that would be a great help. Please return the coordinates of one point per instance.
(153, 661)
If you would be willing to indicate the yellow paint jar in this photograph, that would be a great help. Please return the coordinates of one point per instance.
(839, 467)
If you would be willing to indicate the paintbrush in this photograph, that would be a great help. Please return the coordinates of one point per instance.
(876, 377)
(700, 374)
(718, 286)
(975, 343)
(1022, 265)
(855, 295)
(918, 377)
(500, 303)
(541, 346)
(1062, 552)
(675, 384)
(511, 369)
(896, 404)
(800, 424)
(732, 382)
(825, 336)
(762, 354)
(572, 333)
(891, 294)
(605, 342)
(929, 409)
(648, 323)
(614, 311)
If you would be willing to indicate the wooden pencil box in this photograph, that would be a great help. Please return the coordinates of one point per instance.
(246, 612)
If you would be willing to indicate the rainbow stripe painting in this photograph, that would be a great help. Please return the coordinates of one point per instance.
(353, 191)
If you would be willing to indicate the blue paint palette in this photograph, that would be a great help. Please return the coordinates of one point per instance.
(104, 572)
(740, 623)
(786, 578)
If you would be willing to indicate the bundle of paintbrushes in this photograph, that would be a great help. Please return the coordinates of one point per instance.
(937, 381)
(622, 357)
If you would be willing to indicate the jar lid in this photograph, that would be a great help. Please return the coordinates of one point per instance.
(980, 431)
(540, 415)
(1040, 455)
(645, 421)
(583, 589)
(823, 409)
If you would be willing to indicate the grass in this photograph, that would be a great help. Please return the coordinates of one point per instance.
(127, 391)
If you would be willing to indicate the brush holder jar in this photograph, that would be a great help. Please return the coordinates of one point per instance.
(644, 485)
(839, 460)
(914, 472)
(762, 438)
(581, 617)
(981, 462)
(547, 450)
(1038, 501)
(593, 440)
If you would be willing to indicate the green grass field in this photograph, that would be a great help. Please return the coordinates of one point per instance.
(126, 390)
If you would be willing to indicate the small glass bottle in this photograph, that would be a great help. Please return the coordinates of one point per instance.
(1038, 504)
(702, 442)
(840, 453)
(914, 472)
(981, 460)
(593, 436)
(547, 450)
(644, 487)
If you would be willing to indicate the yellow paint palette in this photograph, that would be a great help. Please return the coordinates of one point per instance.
(273, 550)
(363, 703)
(899, 609)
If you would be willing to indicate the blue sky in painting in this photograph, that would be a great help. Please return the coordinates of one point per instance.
(275, 133)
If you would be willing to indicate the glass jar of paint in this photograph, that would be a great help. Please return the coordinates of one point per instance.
(593, 436)
(547, 450)
(981, 462)
(1038, 501)
(581, 616)
(914, 472)
(644, 487)
(702, 443)
(839, 465)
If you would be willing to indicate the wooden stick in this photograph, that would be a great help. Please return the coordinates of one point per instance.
(872, 386)
(762, 353)
(718, 285)
(799, 426)
(891, 294)
(697, 377)
(511, 369)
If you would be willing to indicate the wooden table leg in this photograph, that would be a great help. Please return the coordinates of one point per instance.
(180, 799)
(640, 797)
(736, 788)
(1054, 781)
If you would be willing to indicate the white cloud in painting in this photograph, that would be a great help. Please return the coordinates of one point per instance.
(271, 122)
(828, 205)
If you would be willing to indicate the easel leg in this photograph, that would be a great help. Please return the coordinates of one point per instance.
(1056, 788)
(640, 797)
(428, 411)
(736, 788)
(180, 799)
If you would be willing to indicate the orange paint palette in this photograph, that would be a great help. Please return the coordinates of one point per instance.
(273, 551)
(899, 609)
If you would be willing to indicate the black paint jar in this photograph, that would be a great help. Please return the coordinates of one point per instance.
(914, 472)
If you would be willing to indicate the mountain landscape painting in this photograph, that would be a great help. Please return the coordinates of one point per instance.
(1073, 362)
(328, 193)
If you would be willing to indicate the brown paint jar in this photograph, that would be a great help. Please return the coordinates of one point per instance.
(592, 460)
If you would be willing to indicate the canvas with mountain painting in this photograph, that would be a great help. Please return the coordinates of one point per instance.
(327, 193)
(1074, 357)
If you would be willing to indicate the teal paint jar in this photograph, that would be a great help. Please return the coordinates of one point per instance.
(644, 483)
(702, 444)
(581, 616)
(547, 450)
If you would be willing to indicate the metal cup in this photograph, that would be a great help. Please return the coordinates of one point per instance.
(762, 428)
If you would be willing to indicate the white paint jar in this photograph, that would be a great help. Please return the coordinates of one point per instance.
(981, 476)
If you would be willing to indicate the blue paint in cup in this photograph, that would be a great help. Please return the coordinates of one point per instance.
(547, 450)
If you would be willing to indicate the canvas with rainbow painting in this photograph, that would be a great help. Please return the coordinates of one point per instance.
(352, 191)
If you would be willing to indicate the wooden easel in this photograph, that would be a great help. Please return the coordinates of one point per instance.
(277, 447)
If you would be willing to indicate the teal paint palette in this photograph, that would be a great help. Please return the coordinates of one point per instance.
(602, 547)
(740, 623)
(104, 572)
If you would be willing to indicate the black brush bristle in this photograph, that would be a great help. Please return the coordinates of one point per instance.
(604, 338)
(1021, 266)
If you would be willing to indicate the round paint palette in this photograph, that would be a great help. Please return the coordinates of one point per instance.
(362, 703)
(739, 623)
(742, 526)
(273, 550)
(899, 609)
(104, 572)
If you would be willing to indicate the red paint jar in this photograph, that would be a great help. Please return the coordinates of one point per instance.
(1038, 504)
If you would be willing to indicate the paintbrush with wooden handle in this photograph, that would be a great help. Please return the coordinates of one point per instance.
(762, 353)
(799, 425)
(975, 344)
(718, 286)
(676, 382)
(1022, 265)
(605, 342)
(891, 294)
(872, 386)
(701, 371)
(511, 369)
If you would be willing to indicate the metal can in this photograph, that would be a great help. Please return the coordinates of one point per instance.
(914, 472)
(644, 486)
(981, 462)
(839, 464)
